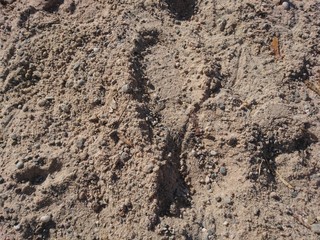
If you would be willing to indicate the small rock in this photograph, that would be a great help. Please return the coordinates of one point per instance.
(149, 168)
(81, 82)
(126, 88)
(45, 218)
(228, 201)
(42, 102)
(226, 223)
(80, 143)
(223, 171)
(76, 65)
(222, 25)
(275, 196)
(1, 180)
(256, 212)
(124, 156)
(286, 5)
(213, 153)
(218, 199)
(20, 164)
(66, 108)
(233, 142)
(82, 196)
(17, 227)
(315, 228)
(207, 180)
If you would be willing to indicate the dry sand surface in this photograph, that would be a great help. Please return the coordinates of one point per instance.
(159, 119)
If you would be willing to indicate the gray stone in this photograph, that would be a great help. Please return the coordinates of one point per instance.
(42, 102)
(149, 168)
(124, 156)
(223, 171)
(66, 108)
(286, 5)
(17, 227)
(222, 25)
(80, 143)
(45, 218)
(20, 165)
(126, 88)
(76, 65)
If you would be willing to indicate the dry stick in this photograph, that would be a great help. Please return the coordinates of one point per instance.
(283, 180)
(298, 218)
(276, 173)
(123, 111)
(313, 87)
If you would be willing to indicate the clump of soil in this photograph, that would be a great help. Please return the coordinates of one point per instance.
(159, 119)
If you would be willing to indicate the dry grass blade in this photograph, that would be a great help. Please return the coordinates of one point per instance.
(276, 173)
(314, 87)
(283, 180)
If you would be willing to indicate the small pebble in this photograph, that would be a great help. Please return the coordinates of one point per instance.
(1, 180)
(80, 143)
(66, 108)
(228, 201)
(45, 218)
(222, 25)
(124, 156)
(256, 211)
(213, 153)
(126, 88)
(223, 171)
(286, 5)
(42, 102)
(149, 168)
(17, 227)
(315, 228)
(76, 65)
(207, 180)
(226, 223)
(20, 165)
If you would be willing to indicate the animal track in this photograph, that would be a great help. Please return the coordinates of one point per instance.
(37, 175)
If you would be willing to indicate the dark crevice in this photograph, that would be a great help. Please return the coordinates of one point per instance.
(172, 192)
(52, 5)
(139, 82)
(182, 9)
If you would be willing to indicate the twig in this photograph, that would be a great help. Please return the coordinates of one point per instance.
(300, 220)
(313, 87)
(276, 173)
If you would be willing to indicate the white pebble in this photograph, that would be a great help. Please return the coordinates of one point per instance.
(207, 180)
(286, 5)
(20, 165)
(17, 227)
(45, 218)
(126, 88)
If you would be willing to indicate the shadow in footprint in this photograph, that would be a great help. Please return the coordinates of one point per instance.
(36, 175)
(182, 9)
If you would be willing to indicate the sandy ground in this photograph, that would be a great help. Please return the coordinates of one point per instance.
(159, 119)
